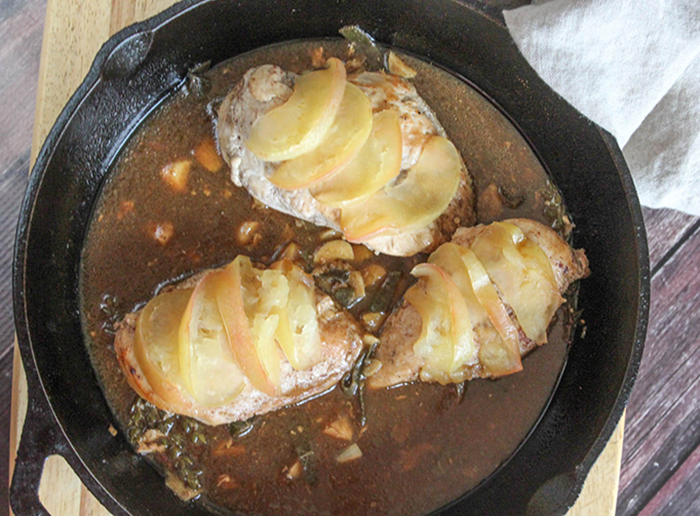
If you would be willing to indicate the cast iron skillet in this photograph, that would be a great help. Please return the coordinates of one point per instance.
(141, 65)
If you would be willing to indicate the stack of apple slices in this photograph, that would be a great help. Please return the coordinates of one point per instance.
(236, 325)
(465, 296)
(326, 139)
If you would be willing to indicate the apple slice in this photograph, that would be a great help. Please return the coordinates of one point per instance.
(229, 296)
(414, 202)
(298, 333)
(344, 139)
(207, 365)
(448, 258)
(156, 347)
(523, 275)
(499, 357)
(300, 124)
(265, 294)
(491, 347)
(446, 342)
(378, 162)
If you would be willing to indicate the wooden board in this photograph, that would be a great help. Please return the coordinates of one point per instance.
(73, 33)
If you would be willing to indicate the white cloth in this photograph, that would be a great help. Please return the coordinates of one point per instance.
(633, 67)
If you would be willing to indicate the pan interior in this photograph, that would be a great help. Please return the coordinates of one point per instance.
(424, 445)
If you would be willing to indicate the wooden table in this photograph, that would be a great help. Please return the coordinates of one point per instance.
(73, 33)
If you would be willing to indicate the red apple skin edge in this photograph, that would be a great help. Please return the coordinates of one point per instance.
(230, 301)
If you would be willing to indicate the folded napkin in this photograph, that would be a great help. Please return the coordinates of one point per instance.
(633, 67)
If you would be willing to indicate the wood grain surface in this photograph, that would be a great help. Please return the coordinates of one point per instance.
(661, 445)
(661, 463)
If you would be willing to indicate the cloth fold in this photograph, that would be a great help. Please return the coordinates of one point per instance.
(633, 67)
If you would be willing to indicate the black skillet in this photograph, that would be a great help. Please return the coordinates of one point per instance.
(144, 63)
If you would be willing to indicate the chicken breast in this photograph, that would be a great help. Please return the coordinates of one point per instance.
(403, 328)
(341, 340)
(266, 87)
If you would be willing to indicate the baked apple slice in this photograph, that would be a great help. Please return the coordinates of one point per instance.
(411, 203)
(498, 357)
(523, 275)
(298, 332)
(300, 124)
(446, 342)
(378, 162)
(490, 343)
(156, 346)
(207, 365)
(245, 348)
(344, 139)
(264, 294)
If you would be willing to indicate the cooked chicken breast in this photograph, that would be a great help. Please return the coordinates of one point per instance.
(403, 328)
(341, 340)
(266, 87)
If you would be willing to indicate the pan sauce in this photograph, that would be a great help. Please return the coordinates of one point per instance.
(423, 445)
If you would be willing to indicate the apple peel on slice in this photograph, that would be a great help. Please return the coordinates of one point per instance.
(378, 162)
(412, 203)
(499, 357)
(229, 297)
(346, 136)
(156, 347)
(299, 125)
(207, 365)
(448, 258)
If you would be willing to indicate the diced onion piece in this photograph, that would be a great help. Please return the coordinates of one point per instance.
(156, 347)
(378, 162)
(334, 250)
(361, 253)
(340, 428)
(176, 174)
(229, 296)
(350, 453)
(446, 343)
(398, 67)
(295, 471)
(207, 155)
(342, 142)
(207, 365)
(523, 275)
(298, 333)
(299, 125)
(498, 357)
(413, 203)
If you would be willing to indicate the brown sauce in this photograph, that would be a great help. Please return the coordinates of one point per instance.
(423, 445)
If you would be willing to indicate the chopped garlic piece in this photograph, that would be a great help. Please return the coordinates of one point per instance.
(350, 453)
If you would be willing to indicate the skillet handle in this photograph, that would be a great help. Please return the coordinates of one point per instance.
(41, 438)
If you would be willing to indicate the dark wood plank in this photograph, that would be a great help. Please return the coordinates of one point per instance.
(660, 455)
(685, 500)
(5, 406)
(13, 182)
(21, 30)
(663, 425)
(679, 494)
(665, 229)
